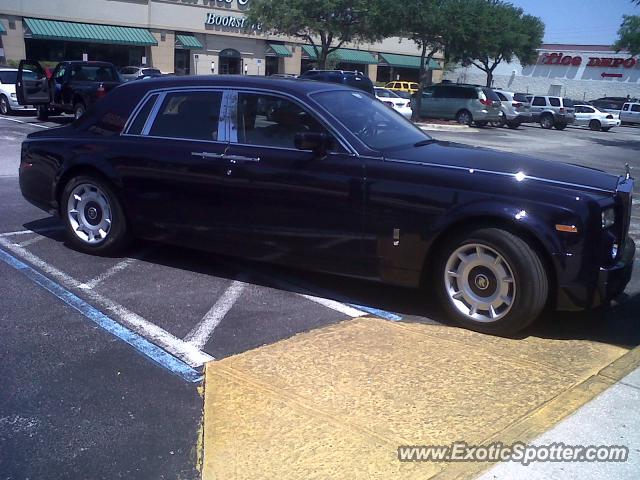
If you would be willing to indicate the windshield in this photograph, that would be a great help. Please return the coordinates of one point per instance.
(384, 93)
(376, 125)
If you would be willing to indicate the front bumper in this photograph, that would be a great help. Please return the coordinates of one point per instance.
(611, 281)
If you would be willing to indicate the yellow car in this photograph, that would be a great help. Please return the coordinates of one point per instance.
(410, 87)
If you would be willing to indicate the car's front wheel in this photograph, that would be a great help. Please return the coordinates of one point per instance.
(491, 280)
(93, 216)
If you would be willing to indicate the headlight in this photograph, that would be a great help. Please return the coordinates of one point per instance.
(608, 217)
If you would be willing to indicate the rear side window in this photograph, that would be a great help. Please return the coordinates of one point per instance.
(554, 102)
(635, 108)
(141, 118)
(188, 115)
(520, 97)
(538, 102)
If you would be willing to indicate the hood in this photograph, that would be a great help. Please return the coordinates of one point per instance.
(464, 156)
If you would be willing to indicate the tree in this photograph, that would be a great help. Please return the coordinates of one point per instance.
(629, 35)
(502, 32)
(325, 24)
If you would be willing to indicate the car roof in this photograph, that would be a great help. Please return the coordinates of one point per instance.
(287, 85)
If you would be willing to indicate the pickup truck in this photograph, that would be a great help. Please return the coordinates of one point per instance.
(72, 88)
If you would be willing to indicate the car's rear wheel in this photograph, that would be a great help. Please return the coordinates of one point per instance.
(464, 117)
(595, 125)
(546, 121)
(513, 125)
(5, 109)
(43, 112)
(78, 110)
(560, 126)
(605, 129)
(491, 280)
(94, 218)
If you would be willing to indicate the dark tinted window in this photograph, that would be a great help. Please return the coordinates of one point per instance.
(443, 92)
(151, 71)
(567, 102)
(635, 108)
(8, 77)
(94, 73)
(520, 97)
(501, 96)
(554, 102)
(625, 107)
(269, 121)
(191, 115)
(538, 102)
(141, 118)
(490, 94)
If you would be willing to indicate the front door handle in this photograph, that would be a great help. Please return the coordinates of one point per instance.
(241, 158)
(207, 155)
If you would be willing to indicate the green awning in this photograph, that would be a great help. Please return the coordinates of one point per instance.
(88, 32)
(343, 55)
(279, 50)
(188, 41)
(2, 30)
(407, 61)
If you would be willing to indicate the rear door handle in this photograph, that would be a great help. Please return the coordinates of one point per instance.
(208, 155)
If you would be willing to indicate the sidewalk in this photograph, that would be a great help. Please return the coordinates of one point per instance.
(338, 401)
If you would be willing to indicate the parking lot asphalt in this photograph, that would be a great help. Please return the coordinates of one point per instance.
(199, 308)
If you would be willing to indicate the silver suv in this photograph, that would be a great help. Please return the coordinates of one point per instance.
(516, 109)
(551, 112)
(466, 104)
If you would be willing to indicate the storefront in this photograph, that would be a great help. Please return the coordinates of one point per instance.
(183, 36)
(581, 72)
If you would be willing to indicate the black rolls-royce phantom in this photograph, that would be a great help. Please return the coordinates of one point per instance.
(326, 177)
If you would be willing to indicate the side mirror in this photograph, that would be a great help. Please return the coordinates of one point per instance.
(319, 143)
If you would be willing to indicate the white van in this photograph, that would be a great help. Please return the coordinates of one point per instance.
(630, 113)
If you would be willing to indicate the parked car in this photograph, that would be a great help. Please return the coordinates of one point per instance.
(630, 113)
(516, 112)
(8, 100)
(73, 87)
(393, 100)
(552, 112)
(466, 104)
(401, 94)
(135, 73)
(398, 86)
(590, 116)
(352, 79)
(336, 182)
(609, 104)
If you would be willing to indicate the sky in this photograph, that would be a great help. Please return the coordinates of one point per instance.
(589, 22)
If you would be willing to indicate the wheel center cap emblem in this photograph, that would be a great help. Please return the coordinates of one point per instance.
(482, 282)
(92, 213)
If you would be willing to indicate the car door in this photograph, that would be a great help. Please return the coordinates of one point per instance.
(538, 104)
(174, 171)
(291, 205)
(581, 115)
(32, 84)
(634, 113)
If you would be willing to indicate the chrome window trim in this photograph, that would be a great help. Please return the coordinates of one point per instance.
(494, 172)
(136, 111)
(152, 114)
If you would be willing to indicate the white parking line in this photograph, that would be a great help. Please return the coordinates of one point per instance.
(26, 232)
(31, 241)
(177, 347)
(109, 273)
(201, 333)
(25, 123)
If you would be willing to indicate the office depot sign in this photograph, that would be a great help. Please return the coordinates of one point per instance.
(576, 61)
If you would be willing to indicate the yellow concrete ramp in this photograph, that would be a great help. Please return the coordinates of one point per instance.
(338, 401)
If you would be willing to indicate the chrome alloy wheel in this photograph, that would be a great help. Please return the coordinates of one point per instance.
(479, 283)
(89, 213)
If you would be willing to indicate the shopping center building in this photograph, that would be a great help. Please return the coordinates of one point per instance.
(581, 72)
(183, 36)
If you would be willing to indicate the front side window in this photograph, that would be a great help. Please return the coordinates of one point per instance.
(188, 115)
(376, 125)
(538, 102)
(625, 107)
(270, 121)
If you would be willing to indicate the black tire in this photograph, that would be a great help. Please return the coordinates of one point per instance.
(605, 129)
(78, 110)
(546, 121)
(464, 117)
(595, 125)
(43, 112)
(560, 126)
(530, 283)
(117, 236)
(513, 125)
(5, 109)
